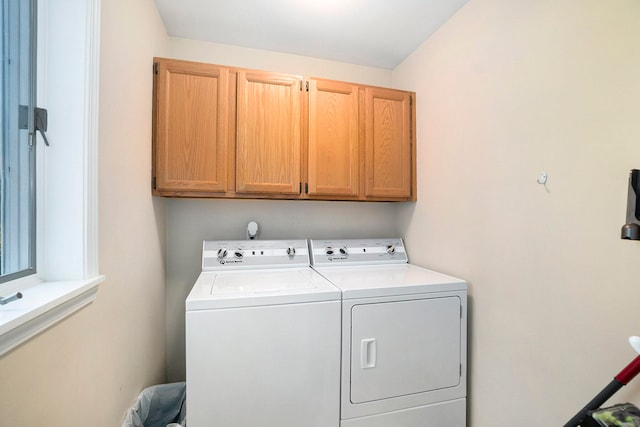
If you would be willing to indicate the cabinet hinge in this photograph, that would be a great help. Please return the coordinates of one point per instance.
(155, 183)
(300, 188)
(307, 86)
(155, 67)
(306, 187)
(301, 89)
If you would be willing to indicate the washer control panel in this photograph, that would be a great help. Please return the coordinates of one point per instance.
(231, 254)
(357, 251)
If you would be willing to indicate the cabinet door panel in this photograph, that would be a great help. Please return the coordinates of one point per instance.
(191, 133)
(387, 143)
(333, 138)
(268, 134)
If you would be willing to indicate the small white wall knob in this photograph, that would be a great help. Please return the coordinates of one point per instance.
(252, 230)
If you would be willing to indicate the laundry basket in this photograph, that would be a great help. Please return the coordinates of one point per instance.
(158, 406)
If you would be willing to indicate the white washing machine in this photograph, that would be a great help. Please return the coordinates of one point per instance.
(404, 336)
(262, 338)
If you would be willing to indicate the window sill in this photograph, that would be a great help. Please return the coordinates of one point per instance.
(43, 305)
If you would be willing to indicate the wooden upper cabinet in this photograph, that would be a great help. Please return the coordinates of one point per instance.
(389, 168)
(228, 132)
(190, 127)
(333, 149)
(269, 137)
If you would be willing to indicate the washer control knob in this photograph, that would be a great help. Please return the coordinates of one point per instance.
(391, 249)
(291, 251)
(328, 250)
(238, 253)
(222, 253)
(344, 251)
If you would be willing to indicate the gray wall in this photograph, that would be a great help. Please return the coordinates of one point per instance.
(191, 221)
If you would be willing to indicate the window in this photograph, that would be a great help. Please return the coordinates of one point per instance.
(65, 177)
(17, 154)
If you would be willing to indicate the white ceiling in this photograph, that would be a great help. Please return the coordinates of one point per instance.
(377, 33)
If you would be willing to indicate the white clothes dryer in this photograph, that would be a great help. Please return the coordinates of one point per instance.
(404, 336)
(262, 338)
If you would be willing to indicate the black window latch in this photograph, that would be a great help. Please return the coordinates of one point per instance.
(41, 123)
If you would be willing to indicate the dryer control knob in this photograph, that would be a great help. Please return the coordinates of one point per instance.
(391, 249)
(238, 254)
(328, 250)
(291, 251)
(222, 252)
(344, 251)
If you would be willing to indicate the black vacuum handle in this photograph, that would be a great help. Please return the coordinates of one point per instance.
(628, 373)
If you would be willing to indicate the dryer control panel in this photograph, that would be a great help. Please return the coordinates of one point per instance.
(357, 251)
(238, 254)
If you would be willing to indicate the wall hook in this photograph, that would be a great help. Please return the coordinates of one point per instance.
(542, 179)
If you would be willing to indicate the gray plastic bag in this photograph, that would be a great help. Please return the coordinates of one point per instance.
(157, 406)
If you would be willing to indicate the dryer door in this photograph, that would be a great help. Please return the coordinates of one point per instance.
(401, 348)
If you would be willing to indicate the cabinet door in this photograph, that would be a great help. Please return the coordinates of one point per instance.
(190, 128)
(388, 143)
(333, 139)
(269, 133)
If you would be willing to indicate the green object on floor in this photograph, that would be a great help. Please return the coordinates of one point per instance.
(622, 415)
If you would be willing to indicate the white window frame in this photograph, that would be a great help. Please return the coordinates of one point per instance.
(67, 175)
(18, 198)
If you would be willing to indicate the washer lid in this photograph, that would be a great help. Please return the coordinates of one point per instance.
(388, 280)
(248, 288)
